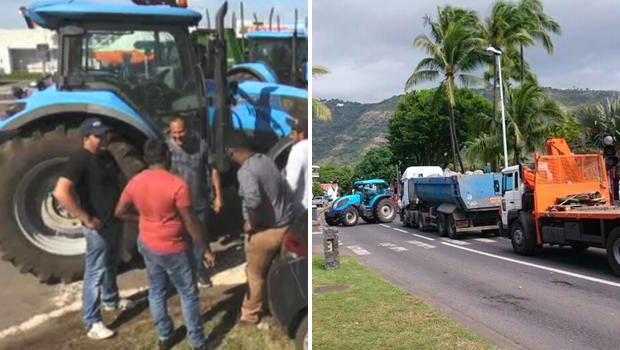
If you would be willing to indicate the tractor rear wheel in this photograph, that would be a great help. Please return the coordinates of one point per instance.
(349, 216)
(385, 210)
(37, 234)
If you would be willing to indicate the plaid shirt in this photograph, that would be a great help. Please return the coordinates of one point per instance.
(191, 163)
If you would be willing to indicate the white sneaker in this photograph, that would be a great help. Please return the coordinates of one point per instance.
(123, 304)
(99, 331)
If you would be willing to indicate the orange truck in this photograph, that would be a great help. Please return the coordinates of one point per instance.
(561, 199)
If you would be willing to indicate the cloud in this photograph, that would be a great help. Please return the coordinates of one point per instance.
(367, 45)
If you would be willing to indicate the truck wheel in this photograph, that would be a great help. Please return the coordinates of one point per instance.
(522, 242)
(301, 336)
(37, 234)
(385, 210)
(349, 217)
(613, 251)
(420, 222)
(451, 227)
(403, 219)
(441, 224)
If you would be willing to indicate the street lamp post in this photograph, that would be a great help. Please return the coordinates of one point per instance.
(498, 53)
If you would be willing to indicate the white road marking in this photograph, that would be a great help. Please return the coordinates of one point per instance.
(454, 241)
(316, 233)
(484, 240)
(384, 225)
(428, 238)
(421, 244)
(358, 250)
(399, 230)
(562, 272)
(399, 249)
(387, 244)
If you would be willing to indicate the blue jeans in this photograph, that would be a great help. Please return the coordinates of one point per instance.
(102, 251)
(179, 269)
(201, 267)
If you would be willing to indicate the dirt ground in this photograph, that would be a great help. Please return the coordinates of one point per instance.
(135, 328)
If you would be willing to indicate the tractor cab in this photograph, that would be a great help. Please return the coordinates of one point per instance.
(285, 52)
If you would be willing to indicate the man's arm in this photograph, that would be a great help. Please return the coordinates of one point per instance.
(215, 177)
(192, 225)
(124, 211)
(249, 190)
(66, 197)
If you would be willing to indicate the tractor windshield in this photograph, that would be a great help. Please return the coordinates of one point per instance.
(277, 53)
(151, 69)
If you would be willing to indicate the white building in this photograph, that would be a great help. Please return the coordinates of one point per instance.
(18, 50)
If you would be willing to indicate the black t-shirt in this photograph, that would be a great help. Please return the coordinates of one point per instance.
(95, 178)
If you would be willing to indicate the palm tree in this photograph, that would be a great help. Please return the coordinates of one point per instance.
(538, 25)
(531, 118)
(600, 120)
(320, 109)
(452, 51)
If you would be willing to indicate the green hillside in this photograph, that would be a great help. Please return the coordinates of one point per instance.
(357, 127)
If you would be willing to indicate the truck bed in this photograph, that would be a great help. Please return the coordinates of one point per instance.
(470, 192)
(593, 212)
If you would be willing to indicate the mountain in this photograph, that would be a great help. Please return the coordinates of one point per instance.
(357, 127)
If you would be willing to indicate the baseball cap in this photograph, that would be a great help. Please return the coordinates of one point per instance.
(93, 126)
(299, 124)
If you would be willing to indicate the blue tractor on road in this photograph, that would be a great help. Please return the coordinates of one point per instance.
(371, 200)
(134, 66)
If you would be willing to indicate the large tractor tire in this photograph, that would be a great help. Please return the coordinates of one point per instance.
(37, 234)
(385, 210)
(349, 217)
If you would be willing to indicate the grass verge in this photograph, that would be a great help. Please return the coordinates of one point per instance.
(374, 314)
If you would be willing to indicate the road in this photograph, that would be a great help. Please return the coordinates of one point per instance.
(561, 299)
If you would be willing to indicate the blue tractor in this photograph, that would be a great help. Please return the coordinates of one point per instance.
(371, 200)
(134, 66)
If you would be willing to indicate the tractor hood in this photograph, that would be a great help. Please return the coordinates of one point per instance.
(346, 201)
(53, 14)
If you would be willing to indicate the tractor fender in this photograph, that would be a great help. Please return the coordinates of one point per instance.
(52, 102)
(376, 199)
(258, 69)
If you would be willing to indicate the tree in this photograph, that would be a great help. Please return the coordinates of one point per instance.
(600, 120)
(538, 25)
(377, 163)
(419, 128)
(531, 118)
(453, 50)
(319, 109)
(317, 190)
(342, 175)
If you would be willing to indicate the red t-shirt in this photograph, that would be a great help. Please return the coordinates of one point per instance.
(157, 194)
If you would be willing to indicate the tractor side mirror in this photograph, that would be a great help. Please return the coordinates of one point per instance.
(496, 186)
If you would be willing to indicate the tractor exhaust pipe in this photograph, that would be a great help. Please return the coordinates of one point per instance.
(278, 23)
(294, 54)
(242, 24)
(271, 17)
(208, 19)
(222, 113)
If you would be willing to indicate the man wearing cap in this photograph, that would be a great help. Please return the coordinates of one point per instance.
(268, 210)
(88, 188)
(297, 164)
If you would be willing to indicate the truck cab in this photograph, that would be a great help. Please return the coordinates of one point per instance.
(512, 193)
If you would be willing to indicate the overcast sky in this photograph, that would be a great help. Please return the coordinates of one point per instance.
(285, 8)
(367, 45)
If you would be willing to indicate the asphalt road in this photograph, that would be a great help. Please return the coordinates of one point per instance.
(561, 299)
